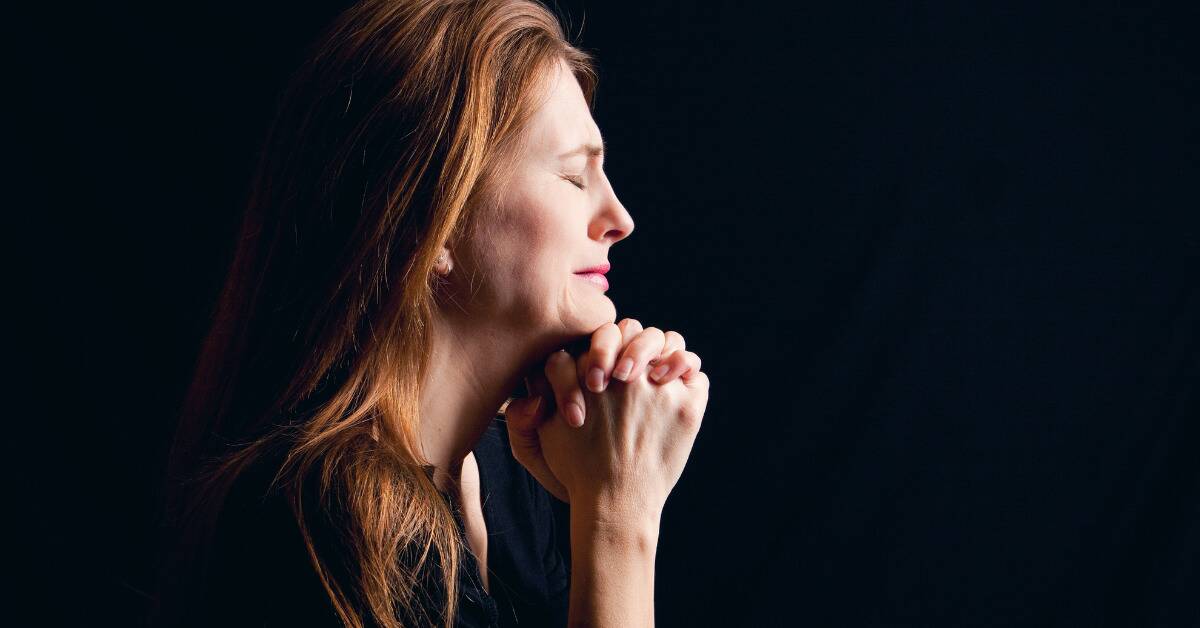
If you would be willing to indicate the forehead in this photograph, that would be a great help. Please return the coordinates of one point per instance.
(563, 121)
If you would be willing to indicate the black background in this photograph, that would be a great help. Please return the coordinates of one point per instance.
(939, 260)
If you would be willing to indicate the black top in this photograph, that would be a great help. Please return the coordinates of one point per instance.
(262, 575)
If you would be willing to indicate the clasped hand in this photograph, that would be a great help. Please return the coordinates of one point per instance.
(613, 428)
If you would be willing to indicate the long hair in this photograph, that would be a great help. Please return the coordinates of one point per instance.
(388, 141)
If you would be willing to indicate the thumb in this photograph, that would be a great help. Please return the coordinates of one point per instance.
(522, 413)
(522, 422)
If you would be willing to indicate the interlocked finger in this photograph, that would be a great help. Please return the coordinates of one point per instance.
(682, 364)
(638, 352)
(560, 370)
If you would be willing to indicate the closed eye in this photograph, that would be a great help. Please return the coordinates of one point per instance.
(576, 181)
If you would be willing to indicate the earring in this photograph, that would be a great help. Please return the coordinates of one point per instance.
(441, 263)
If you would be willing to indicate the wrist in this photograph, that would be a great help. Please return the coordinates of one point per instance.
(612, 568)
(616, 528)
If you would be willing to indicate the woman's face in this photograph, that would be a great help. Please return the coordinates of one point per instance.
(557, 216)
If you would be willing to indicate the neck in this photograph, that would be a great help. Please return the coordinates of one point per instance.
(471, 373)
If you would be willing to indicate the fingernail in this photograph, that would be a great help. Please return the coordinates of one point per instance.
(659, 372)
(595, 379)
(623, 369)
(574, 414)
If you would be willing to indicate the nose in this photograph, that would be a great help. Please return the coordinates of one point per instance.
(613, 222)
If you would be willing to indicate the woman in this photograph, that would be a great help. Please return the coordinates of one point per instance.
(428, 228)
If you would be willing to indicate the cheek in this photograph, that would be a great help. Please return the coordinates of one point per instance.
(519, 241)
(538, 257)
(537, 233)
(529, 253)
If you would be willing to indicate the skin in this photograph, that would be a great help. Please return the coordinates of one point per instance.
(513, 295)
(593, 431)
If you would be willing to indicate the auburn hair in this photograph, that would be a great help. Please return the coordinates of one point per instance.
(397, 128)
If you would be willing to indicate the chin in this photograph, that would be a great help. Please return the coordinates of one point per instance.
(605, 314)
(601, 313)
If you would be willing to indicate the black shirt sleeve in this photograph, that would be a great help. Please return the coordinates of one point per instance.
(530, 577)
(556, 566)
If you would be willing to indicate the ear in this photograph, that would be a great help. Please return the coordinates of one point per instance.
(444, 263)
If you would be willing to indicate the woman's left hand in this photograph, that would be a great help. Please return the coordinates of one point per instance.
(622, 350)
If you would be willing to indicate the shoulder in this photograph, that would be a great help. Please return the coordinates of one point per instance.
(260, 572)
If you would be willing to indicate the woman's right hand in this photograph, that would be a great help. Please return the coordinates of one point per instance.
(628, 455)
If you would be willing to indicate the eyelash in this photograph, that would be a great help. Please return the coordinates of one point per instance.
(575, 181)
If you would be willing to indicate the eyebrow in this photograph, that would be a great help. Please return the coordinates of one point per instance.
(592, 150)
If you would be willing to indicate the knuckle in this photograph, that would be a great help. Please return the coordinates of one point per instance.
(607, 328)
(650, 337)
(630, 331)
(606, 333)
(606, 343)
(689, 416)
(557, 365)
(658, 394)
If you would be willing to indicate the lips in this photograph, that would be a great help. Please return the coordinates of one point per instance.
(595, 275)
(599, 270)
(595, 278)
